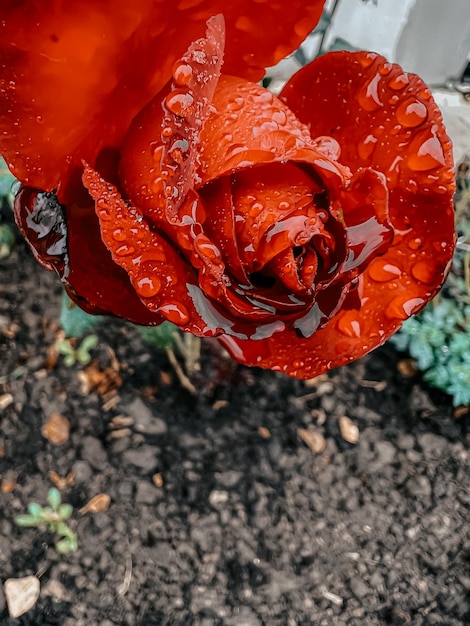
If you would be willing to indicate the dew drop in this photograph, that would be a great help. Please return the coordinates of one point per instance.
(175, 313)
(264, 97)
(236, 104)
(349, 325)
(180, 103)
(382, 271)
(426, 153)
(124, 250)
(148, 287)
(397, 83)
(402, 307)
(425, 272)
(368, 95)
(279, 117)
(182, 73)
(415, 244)
(167, 131)
(119, 234)
(411, 113)
(179, 149)
(367, 60)
(367, 147)
(385, 69)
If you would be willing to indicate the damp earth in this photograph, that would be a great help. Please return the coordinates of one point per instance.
(265, 501)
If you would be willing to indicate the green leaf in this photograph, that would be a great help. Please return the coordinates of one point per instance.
(27, 520)
(54, 498)
(64, 511)
(341, 44)
(74, 321)
(83, 352)
(159, 336)
(6, 179)
(7, 240)
(36, 510)
(68, 544)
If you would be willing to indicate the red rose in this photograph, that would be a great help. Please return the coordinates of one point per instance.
(300, 230)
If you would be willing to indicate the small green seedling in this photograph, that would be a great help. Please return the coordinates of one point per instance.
(53, 517)
(77, 355)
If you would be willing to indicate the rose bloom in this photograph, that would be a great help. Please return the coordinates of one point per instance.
(162, 182)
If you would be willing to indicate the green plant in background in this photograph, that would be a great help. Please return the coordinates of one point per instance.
(74, 321)
(438, 338)
(52, 517)
(81, 354)
(7, 230)
(168, 337)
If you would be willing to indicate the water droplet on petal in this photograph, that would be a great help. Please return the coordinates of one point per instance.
(180, 103)
(148, 286)
(397, 83)
(415, 244)
(368, 95)
(367, 60)
(182, 73)
(411, 113)
(124, 250)
(349, 325)
(385, 69)
(179, 149)
(120, 234)
(175, 313)
(425, 272)
(367, 147)
(426, 153)
(382, 271)
(402, 307)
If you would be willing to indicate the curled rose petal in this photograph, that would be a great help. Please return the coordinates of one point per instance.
(385, 119)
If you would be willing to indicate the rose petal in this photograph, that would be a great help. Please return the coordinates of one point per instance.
(69, 242)
(357, 101)
(75, 74)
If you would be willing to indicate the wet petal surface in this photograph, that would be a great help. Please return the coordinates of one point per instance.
(88, 70)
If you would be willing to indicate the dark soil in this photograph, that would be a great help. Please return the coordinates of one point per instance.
(219, 513)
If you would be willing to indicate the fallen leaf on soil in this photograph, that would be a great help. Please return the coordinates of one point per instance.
(264, 432)
(92, 378)
(5, 400)
(157, 479)
(407, 368)
(460, 411)
(313, 439)
(56, 430)
(60, 482)
(21, 594)
(98, 504)
(349, 430)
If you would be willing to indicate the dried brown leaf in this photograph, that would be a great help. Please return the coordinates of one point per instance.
(98, 504)
(56, 430)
